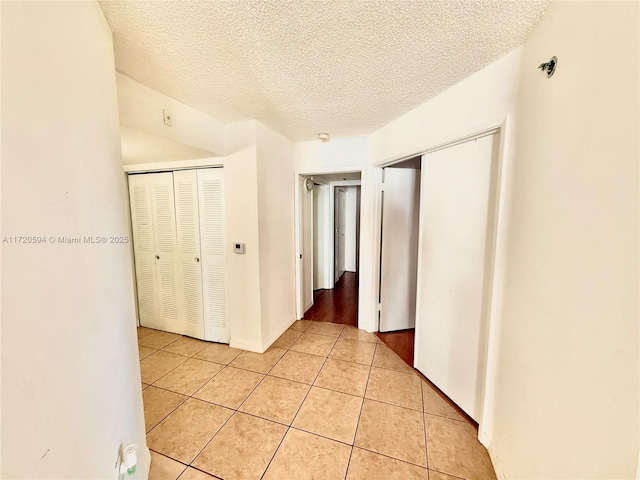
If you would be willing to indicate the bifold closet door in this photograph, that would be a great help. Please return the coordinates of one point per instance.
(456, 245)
(212, 240)
(185, 184)
(155, 249)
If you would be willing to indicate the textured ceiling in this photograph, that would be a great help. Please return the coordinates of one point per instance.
(346, 67)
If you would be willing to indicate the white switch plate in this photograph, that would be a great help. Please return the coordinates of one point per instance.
(238, 247)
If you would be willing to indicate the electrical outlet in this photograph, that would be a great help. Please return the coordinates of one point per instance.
(168, 121)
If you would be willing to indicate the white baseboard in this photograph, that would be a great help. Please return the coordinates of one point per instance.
(276, 334)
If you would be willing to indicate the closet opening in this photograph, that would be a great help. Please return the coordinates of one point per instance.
(400, 219)
(178, 227)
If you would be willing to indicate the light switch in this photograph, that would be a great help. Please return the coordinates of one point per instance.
(238, 247)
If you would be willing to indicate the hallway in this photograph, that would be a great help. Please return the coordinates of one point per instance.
(340, 305)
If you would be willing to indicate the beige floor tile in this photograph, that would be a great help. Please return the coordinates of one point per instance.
(303, 456)
(300, 325)
(144, 385)
(158, 339)
(371, 466)
(163, 468)
(144, 352)
(330, 414)
(299, 367)
(193, 474)
(353, 333)
(433, 475)
(158, 404)
(314, 344)
(324, 328)
(144, 331)
(189, 377)
(387, 358)
(276, 399)
(453, 448)
(434, 404)
(287, 339)
(159, 364)
(186, 346)
(218, 353)
(258, 362)
(394, 431)
(187, 430)
(353, 351)
(390, 386)
(242, 449)
(230, 387)
(345, 377)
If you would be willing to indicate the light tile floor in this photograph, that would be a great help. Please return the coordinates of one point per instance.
(326, 401)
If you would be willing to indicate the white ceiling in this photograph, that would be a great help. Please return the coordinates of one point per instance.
(346, 67)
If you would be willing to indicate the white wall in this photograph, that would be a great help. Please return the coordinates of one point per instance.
(276, 225)
(71, 394)
(566, 383)
(351, 245)
(321, 253)
(242, 225)
(141, 110)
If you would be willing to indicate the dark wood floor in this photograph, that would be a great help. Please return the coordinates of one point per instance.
(400, 342)
(340, 305)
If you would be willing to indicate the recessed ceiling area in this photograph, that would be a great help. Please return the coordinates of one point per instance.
(303, 67)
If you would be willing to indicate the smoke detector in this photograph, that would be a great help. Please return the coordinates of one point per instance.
(323, 137)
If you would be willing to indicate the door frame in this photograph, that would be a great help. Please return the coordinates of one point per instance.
(488, 361)
(298, 223)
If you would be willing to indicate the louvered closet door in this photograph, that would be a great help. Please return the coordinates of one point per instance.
(166, 250)
(185, 184)
(211, 196)
(144, 251)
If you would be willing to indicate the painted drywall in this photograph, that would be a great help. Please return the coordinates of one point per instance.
(276, 226)
(321, 210)
(71, 394)
(351, 244)
(566, 372)
(242, 225)
(141, 108)
(140, 147)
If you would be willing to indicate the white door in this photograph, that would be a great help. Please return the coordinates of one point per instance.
(399, 248)
(212, 240)
(458, 204)
(166, 249)
(155, 249)
(144, 251)
(185, 183)
(341, 219)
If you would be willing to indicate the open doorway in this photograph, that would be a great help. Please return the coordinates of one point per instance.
(329, 247)
(400, 205)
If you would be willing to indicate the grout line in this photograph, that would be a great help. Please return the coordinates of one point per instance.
(424, 424)
(393, 458)
(355, 435)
